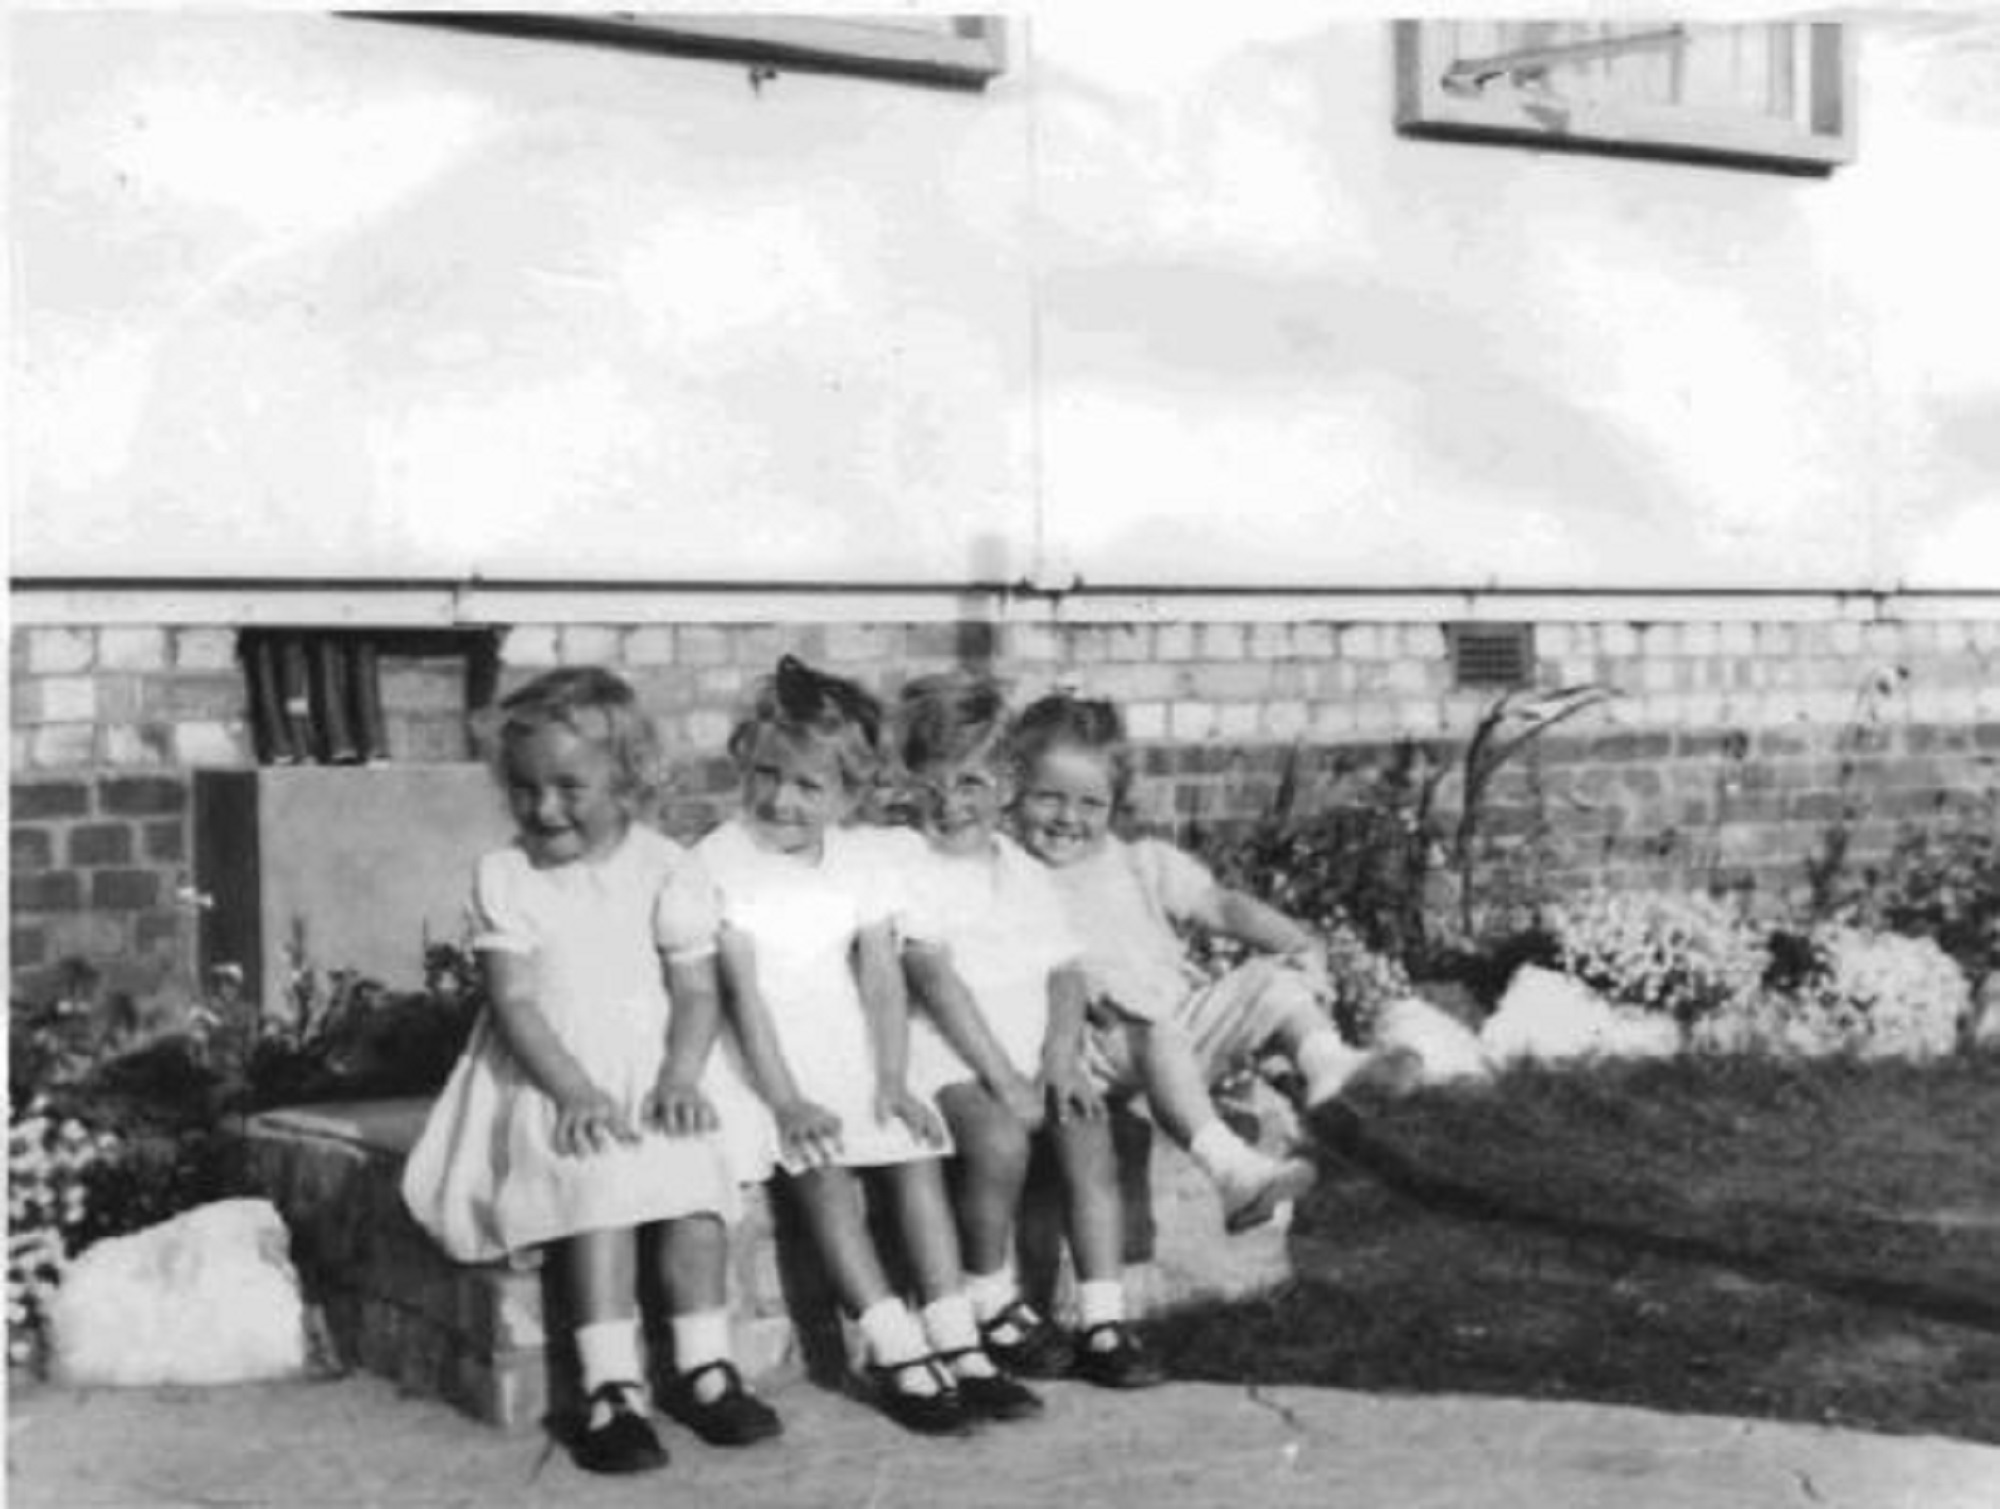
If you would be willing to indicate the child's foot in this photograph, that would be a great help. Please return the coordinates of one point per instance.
(1025, 1343)
(1255, 1190)
(615, 1436)
(988, 1393)
(919, 1396)
(712, 1402)
(1110, 1356)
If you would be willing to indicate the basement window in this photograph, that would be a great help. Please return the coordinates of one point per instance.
(366, 696)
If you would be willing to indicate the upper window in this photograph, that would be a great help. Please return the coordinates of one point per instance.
(1769, 95)
(930, 49)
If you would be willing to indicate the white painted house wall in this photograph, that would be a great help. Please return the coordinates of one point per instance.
(305, 296)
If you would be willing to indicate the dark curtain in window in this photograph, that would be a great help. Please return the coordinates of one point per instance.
(315, 696)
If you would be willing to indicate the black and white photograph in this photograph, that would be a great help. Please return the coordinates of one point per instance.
(1085, 755)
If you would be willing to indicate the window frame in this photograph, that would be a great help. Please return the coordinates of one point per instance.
(1822, 139)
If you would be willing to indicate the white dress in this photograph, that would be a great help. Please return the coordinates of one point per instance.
(484, 1177)
(998, 918)
(801, 918)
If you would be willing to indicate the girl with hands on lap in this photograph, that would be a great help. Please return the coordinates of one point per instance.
(810, 962)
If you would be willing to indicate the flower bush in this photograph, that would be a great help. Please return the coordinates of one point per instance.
(51, 1160)
(1843, 989)
(113, 1130)
(1685, 956)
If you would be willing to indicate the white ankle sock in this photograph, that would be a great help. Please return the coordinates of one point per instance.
(894, 1337)
(608, 1351)
(699, 1339)
(1223, 1155)
(1326, 1063)
(949, 1324)
(1099, 1302)
(993, 1292)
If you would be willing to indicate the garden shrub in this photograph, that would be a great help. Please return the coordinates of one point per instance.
(1834, 988)
(1683, 955)
(108, 1134)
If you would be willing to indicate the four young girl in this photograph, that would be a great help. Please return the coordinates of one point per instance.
(592, 1107)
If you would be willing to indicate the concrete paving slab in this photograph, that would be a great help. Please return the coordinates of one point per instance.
(354, 1441)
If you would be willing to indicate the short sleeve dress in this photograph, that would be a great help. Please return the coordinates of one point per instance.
(1000, 921)
(484, 1177)
(801, 918)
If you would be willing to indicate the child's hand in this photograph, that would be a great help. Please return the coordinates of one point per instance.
(589, 1121)
(1071, 1095)
(808, 1133)
(1020, 1095)
(896, 1103)
(677, 1108)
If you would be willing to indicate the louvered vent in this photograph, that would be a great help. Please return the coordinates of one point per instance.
(1492, 656)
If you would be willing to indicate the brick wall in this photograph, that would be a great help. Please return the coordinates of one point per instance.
(1730, 746)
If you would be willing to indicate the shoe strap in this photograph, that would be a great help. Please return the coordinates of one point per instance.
(1120, 1331)
(732, 1379)
(1017, 1313)
(933, 1363)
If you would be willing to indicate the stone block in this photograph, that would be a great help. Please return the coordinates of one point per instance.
(1222, 641)
(60, 651)
(63, 746)
(29, 849)
(66, 699)
(593, 644)
(47, 891)
(209, 697)
(139, 746)
(130, 648)
(1146, 720)
(652, 644)
(1240, 681)
(1362, 642)
(204, 649)
(142, 796)
(853, 647)
(1173, 642)
(100, 844)
(531, 645)
(27, 945)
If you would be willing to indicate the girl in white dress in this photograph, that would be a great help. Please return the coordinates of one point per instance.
(576, 1115)
(809, 956)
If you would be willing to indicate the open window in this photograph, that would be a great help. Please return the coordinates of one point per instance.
(366, 696)
(1772, 95)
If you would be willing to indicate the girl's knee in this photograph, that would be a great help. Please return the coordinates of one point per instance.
(991, 1140)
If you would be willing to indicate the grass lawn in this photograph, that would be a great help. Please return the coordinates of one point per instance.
(1802, 1241)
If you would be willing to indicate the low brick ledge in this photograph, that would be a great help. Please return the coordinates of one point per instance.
(476, 1334)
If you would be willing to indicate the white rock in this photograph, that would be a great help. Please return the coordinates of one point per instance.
(208, 1297)
(1545, 1015)
(1449, 1050)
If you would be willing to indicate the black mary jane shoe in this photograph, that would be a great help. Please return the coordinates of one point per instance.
(1026, 1344)
(995, 1396)
(734, 1417)
(622, 1442)
(941, 1412)
(1119, 1362)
